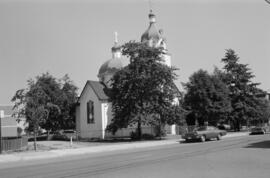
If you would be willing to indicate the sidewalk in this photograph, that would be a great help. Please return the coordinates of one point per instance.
(95, 149)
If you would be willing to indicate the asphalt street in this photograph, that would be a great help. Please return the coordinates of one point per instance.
(239, 157)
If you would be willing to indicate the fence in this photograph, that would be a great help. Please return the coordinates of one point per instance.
(14, 143)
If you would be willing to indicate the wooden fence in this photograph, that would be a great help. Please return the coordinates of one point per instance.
(14, 143)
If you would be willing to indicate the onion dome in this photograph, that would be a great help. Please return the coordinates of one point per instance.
(152, 35)
(112, 65)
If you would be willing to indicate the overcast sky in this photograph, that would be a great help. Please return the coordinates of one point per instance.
(75, 36)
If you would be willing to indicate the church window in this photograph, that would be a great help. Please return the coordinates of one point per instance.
(90, 112)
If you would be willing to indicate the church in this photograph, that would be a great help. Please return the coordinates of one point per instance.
(93, 111)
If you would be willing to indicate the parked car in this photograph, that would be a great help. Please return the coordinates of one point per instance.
(224, 127)
(257, 130)
(204, 133)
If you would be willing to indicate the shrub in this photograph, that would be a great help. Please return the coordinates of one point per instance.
(147, 136)
(160, 132)
(134, 136)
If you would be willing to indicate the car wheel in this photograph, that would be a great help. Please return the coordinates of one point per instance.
(219, 137)
(202, 138)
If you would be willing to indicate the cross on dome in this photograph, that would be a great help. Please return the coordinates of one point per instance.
(115, 37)
(116, 47)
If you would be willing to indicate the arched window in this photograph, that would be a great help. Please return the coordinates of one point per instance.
(90, 112)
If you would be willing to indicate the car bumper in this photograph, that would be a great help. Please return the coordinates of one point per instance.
(257, 133)
(192, 137)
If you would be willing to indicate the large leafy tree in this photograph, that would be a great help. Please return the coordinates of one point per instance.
(244, 94)
(262, 112)
(143, 92)
(56, 98)
(32, 105)
(67, 103)
(206, 99)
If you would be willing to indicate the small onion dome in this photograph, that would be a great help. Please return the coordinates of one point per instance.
(152, 33)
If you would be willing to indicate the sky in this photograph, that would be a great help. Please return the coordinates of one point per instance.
(75, 37)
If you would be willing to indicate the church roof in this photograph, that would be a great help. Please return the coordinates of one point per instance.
(98, 88)
(177, 91)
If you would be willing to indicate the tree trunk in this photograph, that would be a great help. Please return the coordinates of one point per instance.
(160, 129)
(139, 129)
(35, 139)
(237, 125)
(48, 134)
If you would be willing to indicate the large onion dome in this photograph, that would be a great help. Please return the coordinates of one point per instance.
(108, 69)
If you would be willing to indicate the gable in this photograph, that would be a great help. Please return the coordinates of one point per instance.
(177, 91)
(98, 89)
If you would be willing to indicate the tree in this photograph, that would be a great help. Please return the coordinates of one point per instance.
(31, 105)
(47, 103)
(206, 99)
(67, 103)
(142, 93)
(61, 104)
(51, 87)
(243, 92)
(262, 109)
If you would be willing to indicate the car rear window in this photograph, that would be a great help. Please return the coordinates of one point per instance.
(256, 129)
(69, 131)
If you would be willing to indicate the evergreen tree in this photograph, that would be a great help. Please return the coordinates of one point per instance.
(243, 92)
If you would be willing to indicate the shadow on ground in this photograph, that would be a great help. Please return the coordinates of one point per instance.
(262, 144)
(187, 142)
(196, 141)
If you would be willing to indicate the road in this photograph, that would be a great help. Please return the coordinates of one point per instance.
(239, 157)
